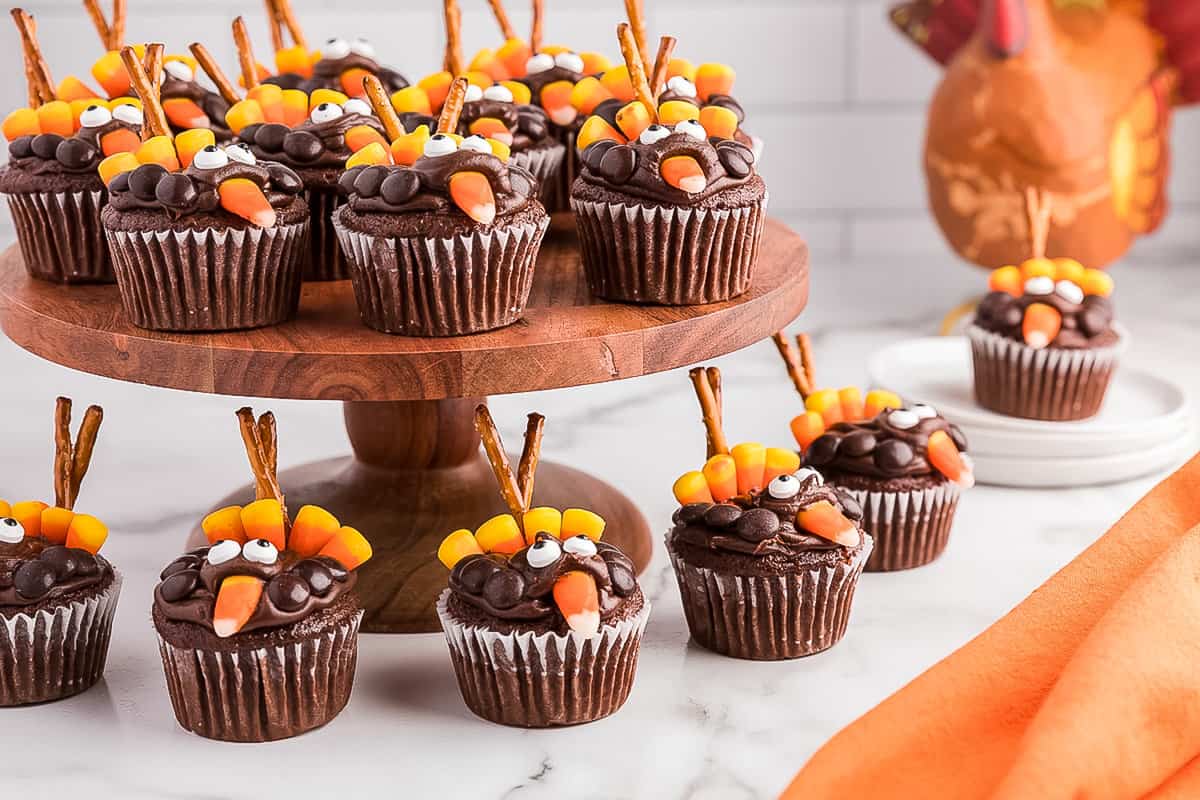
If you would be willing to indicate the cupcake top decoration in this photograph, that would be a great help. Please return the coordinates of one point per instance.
(47, 552)
(1050, 303)
(538, 566)
(261, 568)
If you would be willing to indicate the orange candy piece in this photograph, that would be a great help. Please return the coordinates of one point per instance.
(348, 547)
(117, 164)
(56, 117)
(1095, 281)
(1041, 324)
(692, 487)
(946, 459)
(294, 59)
(1008, 280)
(411, 146)
(5, 509)
(1037, 268)
(56, 522)
(491, 128)
(320, 96)
(360, 136)
(633, 118)
(878, 400)
(22, 122)
(1068, 269)
(372, 154)
(487, 62)
(617, 82)
(120, 140)
(29, 514)
(720, 472)
(779, 462)
(556, 100)
(457, 546)
(828, 404)
(514, 55)
(412, 99)
(684, 173)
(270, 99)
(597, 129)
(672, 112)
(71, 88)
(595, 63)
(500, 534)
(190, 142)
(264, 519)
(823, 519)
(578, 601)
(224, 523)
(184, 113)
(472, 192)
(522, 96)
(851, 400)
(295, 107)
(577, 521)
(589, 93)
(352, 82)
(719, 121)
(714, 79)
(542, 520)
(87, 533)
(681, 67)
(312, 530)
(237, 600)
(751, 461)
(436, 87)
(807, 427)
(246, 199)
(109, 72)
(159, 150)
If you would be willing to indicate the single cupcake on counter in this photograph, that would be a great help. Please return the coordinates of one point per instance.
(54, 193)
(543, 619)
(766, 554)
(442, 233)
(258, 631)
(671, 215)
(203, 238)
(1044, 343)
(57, 594)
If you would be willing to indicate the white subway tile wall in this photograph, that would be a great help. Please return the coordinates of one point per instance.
(836, 93)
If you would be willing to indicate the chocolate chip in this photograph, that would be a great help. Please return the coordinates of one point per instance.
(179, 565)
(850, 507)
(474, 572)
(288, 592)
(179, 586)
(369, 180)
(503, 588)
(45, 145)
(269, 137)
(284, 179)
(608, 110)
(1093, 321)
(199, 552)
(958, 437)
(618, 164)
(21, 147)
(722, 515)
(347, 179)
(75, 153)
(623, 580)
(249, 133)
(33, 579)
(858, 444)
(143, 181)
(693, 512)
(119, 184)
(737, 159)
(303, 146)
(893, 455)
(994, 306)
(175, 190)
(86, 564)
(595, 153)
(399, 186)
(822, 450)
(339, 573)
(758, 524)
(60, 559)
(316, 575)
(725, 101)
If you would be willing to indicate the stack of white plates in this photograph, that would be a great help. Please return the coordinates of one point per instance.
(1147, 424)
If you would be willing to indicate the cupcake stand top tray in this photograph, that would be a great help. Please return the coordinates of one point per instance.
(417, 471)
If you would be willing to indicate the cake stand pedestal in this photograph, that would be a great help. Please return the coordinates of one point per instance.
(417, 471)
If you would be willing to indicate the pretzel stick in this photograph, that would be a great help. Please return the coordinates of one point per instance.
(506, 28)
(708, 408)
(245, 54)
(637, 70)
(85, 443)
(510, 491)
(39, 71)
(666, 49)
(378, 98)
(807, 361)
(32, 87)
(714, 380)
(452, 109)
(265, 483)
(535, 31)
(62, 452)
(453, 19)
(527, 467)
(269, 437)
(791, 360)
(225, 87)
(275, 24)
(155, 120)
(292, 23)
(153, 63)
(97, 14)
(116, 30)
(1037, 207)
(637, 21)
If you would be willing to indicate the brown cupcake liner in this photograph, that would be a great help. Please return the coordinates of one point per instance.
(323, 259)
(418, 286)
(556, 192)
(545, 164)
(1050, 384)
(61, 237)
(768, 618)
(543, 680)
(209, 280)
(667, 255)
(262, 694)
(58, 652)
(910, 528)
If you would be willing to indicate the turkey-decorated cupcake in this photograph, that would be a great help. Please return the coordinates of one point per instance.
(441, 232)
(542, 617)
(258, 631)
(54, 193)
(203, 237)
(1044, 342)
(57, 594)
(767, 554)
(670, 215)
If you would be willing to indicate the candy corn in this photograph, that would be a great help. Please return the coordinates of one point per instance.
(851, 400)
(673, 112)
(617, 82)
(263, 519)
(823, 519)
(371, 154)
(436, 87)
(1068, 269)
(109, 72)
(159, 150)
(1096, 282)
(692, 487)
(348, 547)
(684, 173)
(486, 61)
(224, 523)
(22, 122)
(71, 88)
(542, 520)
(184, 113)
(5, 509)
(714, 79)
(719, 121)
(87, 533)
(633, 118)
(55, 523)
(120, 140)
(521, 94)
(311, 530)
(294, 59)
(500, 534)
(320, 96)
(360, 136)
(807, 427)
(270, 99)
(457, 546)
(514, 55)
(681, 67)
(721, 474)
(412, 99)
(411, 146)
(1037, 268)
(1041, 324)
(596, 129)
(589, 93)
(472, 193)
(491, 128)
(578, 601)
(237, 600)
(29, 514)
(246, 199)
(295, 107)
(945, 458)
(1007, 279)
(56, 117)
(779, 462)
(576, 521)
(827, 403)
(595, 63)
(556, 100)
(117, 164)
(750, 458)
(352, 81)
(190, 142)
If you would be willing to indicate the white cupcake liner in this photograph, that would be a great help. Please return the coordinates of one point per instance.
(61, 237)
(543, 680)
(768, 618)
(56, 652)
(545, 164)
(910, 528)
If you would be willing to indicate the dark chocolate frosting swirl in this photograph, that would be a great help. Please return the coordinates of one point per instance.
(194, 190)
(51, 154)
(309, 144)
(1086, 324)
(35, 571)
(880, 448)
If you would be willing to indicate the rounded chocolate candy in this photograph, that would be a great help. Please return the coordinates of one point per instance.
(175, 190)
(722, 515)
(758, 524)
(369, 180)
(270, 136)
(858, 444)
(316, 575)
(75, 153)
(474, 573)
(618, 164)
(693, 512)
(21, 147)
(595, 153)
(893, 456)
(822, 450)
(850, 507)
(179, 586)
(33, 579)
(248, 133)
(503, 588)
(288, 592)
(736, 158)
(725, 101)
(623, 581)
(1096, 315)
(86, 564)
(144, 180)
(60, 559)
(339, 573)
(45, 145)
(284, 179)
(179, 565)
(347, 179)
(399, 186)
(119, 183)
(6, 578)
(303, 146)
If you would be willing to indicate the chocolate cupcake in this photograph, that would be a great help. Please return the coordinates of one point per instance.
(1044, 344)
(340, 64)
(57, 594)
(551, 75)
(258, 631)
(542, 618)
(188, 104)
(766, 554)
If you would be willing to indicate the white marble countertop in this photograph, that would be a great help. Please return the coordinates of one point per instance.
(696, 726)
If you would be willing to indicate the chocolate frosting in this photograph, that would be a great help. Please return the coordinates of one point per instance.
(528, 124)
(295, 589)
(36, 571)
(211, 103)
(512, 589)
(327, 74)
(51, 154)
(1084, 325)
(878, 448)
(309, 144)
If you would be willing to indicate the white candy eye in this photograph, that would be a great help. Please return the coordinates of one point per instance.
(569, 61)
(1069, 291)
(805, 473)
(543, 553)
(923, 411)
(326, 112)
(95, 116)
(903, 419)
(500, 93)
(241, 154)
(580, 545)
(211, 157)
(11, 531)
(179, 70)
(681, 86)
(474, 93)
(441, 145)
(655, 133)
(539, 63)
(260, 551)
(476, 143)
(222, 551)
(335, 49)
(692, 128)
(1039, 285)
(129, 114)
(362, 48)
(783, 487)
(356, 106)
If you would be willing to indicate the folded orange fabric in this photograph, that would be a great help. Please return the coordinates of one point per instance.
(1090, 688)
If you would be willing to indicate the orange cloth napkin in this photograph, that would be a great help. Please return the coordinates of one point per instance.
(1088, 690)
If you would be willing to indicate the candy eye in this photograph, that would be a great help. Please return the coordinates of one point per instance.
(1039, 285)
(128, 113)
(356, 106)
(783, 487)
(923, 411)
(692, 128)
(499, 93)
(476, 143)
(903, 419)
(179, 70)
(474, 93)
(95, 116)
(569, 61)
(580, 545)
(335, 49)
(543, 553)
(11, 531)
(363, 48)
(681, 86)
(539, 63)
(241, 153)
(222, 551)
(1069, 291)
(211, 157)
(326, 112)
(805, 474)
(653, 134)
(260, 551)
(440, 145)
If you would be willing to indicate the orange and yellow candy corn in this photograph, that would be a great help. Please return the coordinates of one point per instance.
(348, 547)
(224, 523)
(237, 600)
(578, 601)
(500, 534)
(457, 546)
(264, 519)
(311, 530)
(823, 519)
(576, 521)
(721, 474)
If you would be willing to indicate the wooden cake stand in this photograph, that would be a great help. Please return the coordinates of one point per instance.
(417, 471)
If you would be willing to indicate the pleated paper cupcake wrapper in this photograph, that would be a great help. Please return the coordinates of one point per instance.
(556, 193)
(543, 680)
(667, 255)
(1050, 384)
(419, 286)
(61, 237)
(545, 164)
(266, 693)
(768, 618)
(911, 528)
(55, 653)
(323, 259)
(209, 280)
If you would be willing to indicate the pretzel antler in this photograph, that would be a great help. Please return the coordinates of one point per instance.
(71, 460)
(662, 63)
(510, 488)
(707, 384)
(262, 448)
(275, 24)
(1038, 209)
(535, 30)
(155, 123)
(378, 98)
(112, 36)
(225, 87)
(245, 51)
(453, 19)
(37, 71)
(795, 366)
(452, 109)
(527, 467)
(637, 70)
(636, 14)
(506, 28)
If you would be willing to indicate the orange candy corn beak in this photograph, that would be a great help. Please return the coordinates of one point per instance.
(595, 63)
(237, 600)
(224, 523)
(751, 461)
(246, 199)
(120, 140)
(312, 530)
(473, 194)
(691, 487)
(556, 100)
(184, 113)
(1041, 324)
(721, 474)
(352, 82)
(348, 547)
(945, 458)
(578, 601)
(685, 174)
(824, 520)
(491, 128)
(109, 72)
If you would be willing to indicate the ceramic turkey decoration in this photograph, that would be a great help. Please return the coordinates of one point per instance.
(1033, 99)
